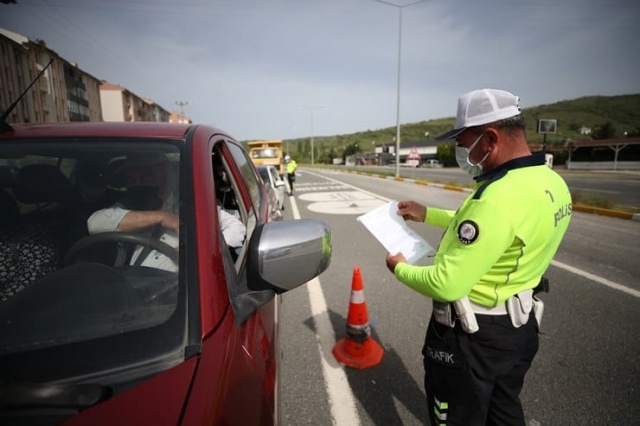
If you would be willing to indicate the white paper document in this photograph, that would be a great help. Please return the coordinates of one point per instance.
(393, 233)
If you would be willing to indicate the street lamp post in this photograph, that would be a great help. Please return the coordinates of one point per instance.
(397, 153)
(311, 108)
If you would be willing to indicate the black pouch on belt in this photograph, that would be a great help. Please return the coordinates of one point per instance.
(538, 305)
(542, 287)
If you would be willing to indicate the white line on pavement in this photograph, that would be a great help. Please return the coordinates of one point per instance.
(341, 399)
(596, 278)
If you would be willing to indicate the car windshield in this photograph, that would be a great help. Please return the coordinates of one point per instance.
(74, 280)
(264, 153)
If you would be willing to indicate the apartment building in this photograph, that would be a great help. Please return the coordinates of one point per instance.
(157, 113)
(63, 92)
(120, 104)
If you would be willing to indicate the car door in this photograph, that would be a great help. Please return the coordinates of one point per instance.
(240, 353)
(259, 332)
(278, 186)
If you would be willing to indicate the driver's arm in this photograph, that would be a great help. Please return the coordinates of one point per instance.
(119, 219)
(136, 220)
(233, 230)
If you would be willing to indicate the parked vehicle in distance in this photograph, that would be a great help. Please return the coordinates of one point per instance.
(271, 178)
(91, 336)
(432, 163)
(267, 153)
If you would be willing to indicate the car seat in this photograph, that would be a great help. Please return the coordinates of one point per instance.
(44, 186)
(29, 249)
(50, 201)
(9, 209)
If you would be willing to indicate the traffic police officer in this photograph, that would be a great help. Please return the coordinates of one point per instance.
(291, 171)
(493, 254)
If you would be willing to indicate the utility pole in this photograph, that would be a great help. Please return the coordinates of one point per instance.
(311, 108)
(399, 7)
(181, 104)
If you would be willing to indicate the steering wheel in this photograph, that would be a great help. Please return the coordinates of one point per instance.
(120, 237)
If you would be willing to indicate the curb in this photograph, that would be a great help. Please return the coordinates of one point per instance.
(606, 212)
(577, 207)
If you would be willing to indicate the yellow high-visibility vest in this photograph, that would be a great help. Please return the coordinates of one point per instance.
(502, 238)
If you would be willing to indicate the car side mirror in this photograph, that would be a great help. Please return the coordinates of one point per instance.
(286, 254)
(279, 183)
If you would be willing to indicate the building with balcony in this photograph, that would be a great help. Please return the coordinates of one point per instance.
(120, 104)
(62, 93)
(156, 112)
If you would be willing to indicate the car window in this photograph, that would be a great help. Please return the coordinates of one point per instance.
(265, 153)
(251, 179)
(232, 214)
(274, 174)
(264, 174)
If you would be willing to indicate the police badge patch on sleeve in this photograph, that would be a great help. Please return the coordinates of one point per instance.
(468, 232)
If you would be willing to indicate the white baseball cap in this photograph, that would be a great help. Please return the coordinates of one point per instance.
(482, 107)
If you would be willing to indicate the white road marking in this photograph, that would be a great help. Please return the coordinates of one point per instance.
(341, 399)
(337, 197)
(596, 278)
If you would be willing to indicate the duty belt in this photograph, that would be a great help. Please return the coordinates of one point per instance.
(501, 309)
(517, 307)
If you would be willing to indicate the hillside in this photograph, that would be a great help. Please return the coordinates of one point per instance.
(618, 113)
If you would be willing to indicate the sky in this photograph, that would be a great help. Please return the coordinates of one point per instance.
(282, 69)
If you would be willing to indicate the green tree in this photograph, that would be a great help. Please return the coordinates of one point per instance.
(350, 149)
(447, 154)
(305, 150)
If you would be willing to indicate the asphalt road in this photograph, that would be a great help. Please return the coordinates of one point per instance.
(587, 371)
(621, 187)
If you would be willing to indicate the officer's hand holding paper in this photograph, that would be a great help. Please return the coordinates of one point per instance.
(393, 233)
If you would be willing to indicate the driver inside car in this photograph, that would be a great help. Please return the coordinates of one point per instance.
(148, 206)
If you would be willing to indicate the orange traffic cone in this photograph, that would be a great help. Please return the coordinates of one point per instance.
(358, 349)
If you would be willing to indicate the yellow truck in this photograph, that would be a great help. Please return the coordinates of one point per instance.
(267, 153)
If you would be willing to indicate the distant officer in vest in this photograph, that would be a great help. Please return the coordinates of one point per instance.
(493, 254)
(291, 171)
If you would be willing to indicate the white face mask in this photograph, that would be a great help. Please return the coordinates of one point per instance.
(462, 158)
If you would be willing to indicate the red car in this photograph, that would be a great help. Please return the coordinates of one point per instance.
(165, 324)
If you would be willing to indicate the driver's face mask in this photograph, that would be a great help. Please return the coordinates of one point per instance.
(142, 198)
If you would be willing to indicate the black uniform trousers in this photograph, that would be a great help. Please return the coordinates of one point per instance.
(292, 178)
(476, 379)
